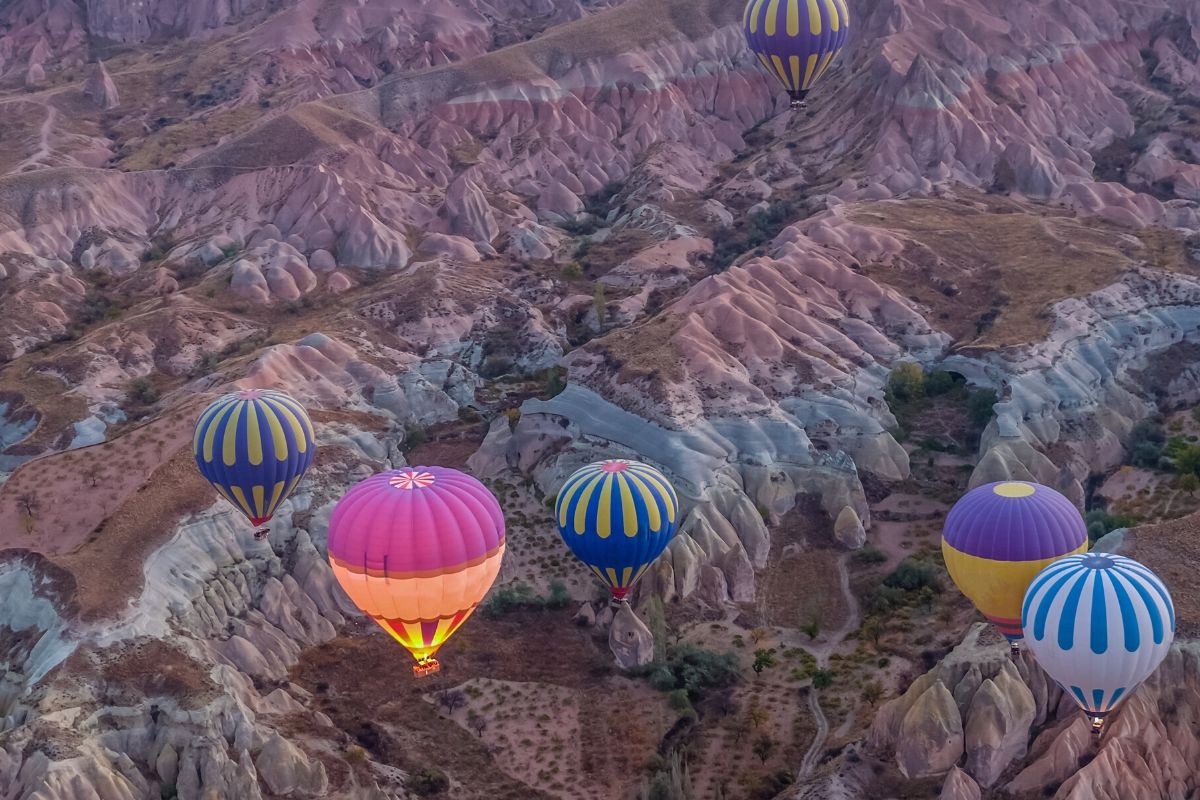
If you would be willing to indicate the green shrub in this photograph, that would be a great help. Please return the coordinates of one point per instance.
(428, 781)
(912, 574)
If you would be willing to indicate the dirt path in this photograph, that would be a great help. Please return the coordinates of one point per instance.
(43, 150)
(821, 653)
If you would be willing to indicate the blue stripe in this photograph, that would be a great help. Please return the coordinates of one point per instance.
(1043, 610)
(1153, 580)
(1098, 697)
(1099, 615)
(1156, 620)
(1045, 576)
(1129, 622)
(1116, 695)
(1066, 623)
(1079, 696)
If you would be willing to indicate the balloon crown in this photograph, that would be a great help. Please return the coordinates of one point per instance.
(250, 394)
(1097, 561)
(615, 466)
(412, 479)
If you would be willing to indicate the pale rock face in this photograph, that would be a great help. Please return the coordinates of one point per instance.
(997, 725)
(101, 89)
(630, 640)
(959, 786)
(930, 734)
(586, 616)
(287, 771)
(848, 529)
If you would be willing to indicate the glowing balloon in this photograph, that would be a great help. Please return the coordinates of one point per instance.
(617, 517)
(999, 536)
(796, 40)
(254, 446)
(417, 549)
(1099, 624)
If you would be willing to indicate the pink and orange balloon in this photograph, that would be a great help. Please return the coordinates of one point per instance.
(417, 549)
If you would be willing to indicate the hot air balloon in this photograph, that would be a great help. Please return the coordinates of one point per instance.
(254, 446)
(1099, 624)
(796, 40)
(417, 549)
(617, 517)
(999, 536)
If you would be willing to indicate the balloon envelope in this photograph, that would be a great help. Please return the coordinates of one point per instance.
(617, 516)
(796, 40)
(417, 549)
(254, 446)
(1099, 624)
(999, 536)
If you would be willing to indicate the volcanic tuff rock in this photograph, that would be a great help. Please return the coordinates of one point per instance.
(630, 640)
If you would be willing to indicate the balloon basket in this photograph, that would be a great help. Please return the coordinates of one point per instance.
(1014, 651)
(261, 534)
(1097, 727)
(799, 105)
(423, 669)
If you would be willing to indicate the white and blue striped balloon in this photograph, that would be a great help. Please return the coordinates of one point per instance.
(1099, 624)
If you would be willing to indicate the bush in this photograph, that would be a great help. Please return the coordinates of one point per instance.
(912, 574)
(679, 702)
(142, 391)
(496, 366)
(907, 382)
(1147, 441)
(939, 382)
(663, 679)
(428, 781)
(414, 437)
(572, 271)
(1100, 522)
(822, 679)
(870, 555)
(981, 407)
(511, 597)
(696, 670)
(558, 598)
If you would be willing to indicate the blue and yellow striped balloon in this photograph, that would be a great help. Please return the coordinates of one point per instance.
(1099, 624)
(254, 446)
(796, 40)
(617, 517)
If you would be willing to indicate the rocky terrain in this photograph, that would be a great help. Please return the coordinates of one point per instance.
(517, 235)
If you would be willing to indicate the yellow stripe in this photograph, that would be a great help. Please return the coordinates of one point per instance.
(241, 500)
(202, 423)
(275, 495)
(297, 429)
(640, 573)
(772, 17)
(299, 411)
(845, 12)
(660, 483)
(584, 501)
(225, 494)
(612, 577)
(253, 436)
(780, 71)
(814, 18)
(793, 18)
(756, 6)
(766, 62)
(834, 24)
(604, 511)
(652, 510)
(795, 70)
(808, 73)
(569, 490)
(210, 435)
(628, 507)
(825, 64)
(278, 439)
(229, 444)
(599, 574)
(628, 572)
(259, 493)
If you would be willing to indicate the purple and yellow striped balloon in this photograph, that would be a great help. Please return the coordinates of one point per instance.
(998, 537)
(796, 40)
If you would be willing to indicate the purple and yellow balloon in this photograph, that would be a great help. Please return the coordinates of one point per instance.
(998, 537)
(796, 40)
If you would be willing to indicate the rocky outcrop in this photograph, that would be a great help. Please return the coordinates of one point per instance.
(101, 89)
(848, 529)
(996, 726)
(959, 786)
(286, 771)
(630, 640)
(930, 735)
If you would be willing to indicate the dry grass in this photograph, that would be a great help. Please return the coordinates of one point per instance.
(166, 145)
(645, 350)
(1009, 263)
(56, 409)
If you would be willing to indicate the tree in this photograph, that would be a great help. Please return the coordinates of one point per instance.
(1188, 483)
(600, 304)
(907, 382)
(477, 723)
(739, 727)
(822, 679)
(872, 691)
(1188, 460)
(92, 475)
(926, 595)
(758, 635)
(763, 659)
(452, 700)
(812, 629)
(764, 746)
(756, 715)
(872, 628)
(29, 503)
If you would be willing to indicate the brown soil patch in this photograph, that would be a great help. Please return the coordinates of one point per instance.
(803, 586)
(46, 396)
(1172, 550)
(1010, 263)
(645, 350)
(130, 672)
(364, 684)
